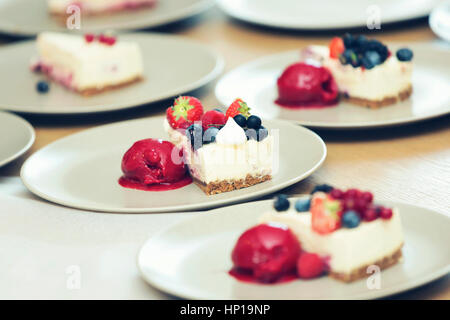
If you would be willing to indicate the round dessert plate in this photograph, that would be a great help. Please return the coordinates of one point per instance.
(167, 73)
(256, 82)
(28, 18)
(321, 14)
(191, 259)
(440, 20)
(82, 170)
(17, 137)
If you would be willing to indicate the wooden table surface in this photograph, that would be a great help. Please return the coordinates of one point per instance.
(406, 163)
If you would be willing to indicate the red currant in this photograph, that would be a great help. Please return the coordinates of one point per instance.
(337, 194)
(370, 214)
(89, 37)
(367, 196)
(386, 213)
(352, 193)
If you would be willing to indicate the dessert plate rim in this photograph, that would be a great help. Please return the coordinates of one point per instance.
(183, 13)
(176, 289)
(32, 163)
(97, 107)
(26, 127)
(220, 91)
(324, 24)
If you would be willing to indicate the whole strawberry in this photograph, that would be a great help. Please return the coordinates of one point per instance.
(184, 112)
(238, 107)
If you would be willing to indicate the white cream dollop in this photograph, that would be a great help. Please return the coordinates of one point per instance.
(231, 133)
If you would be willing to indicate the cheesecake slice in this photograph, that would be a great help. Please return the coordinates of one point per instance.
(349, 241)
(88, 65)
(93, 7)
(366, 72)
(221, 154)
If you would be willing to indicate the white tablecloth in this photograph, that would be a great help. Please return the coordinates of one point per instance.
(52, 252)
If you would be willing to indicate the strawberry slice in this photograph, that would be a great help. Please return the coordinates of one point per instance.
(184, 112)
(238, 107)
(325, 213)
(337, 47)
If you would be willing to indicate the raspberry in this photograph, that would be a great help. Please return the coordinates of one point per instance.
(367, 196)
(89, 37)
(371, 214)
(310, 265)
(337, 194)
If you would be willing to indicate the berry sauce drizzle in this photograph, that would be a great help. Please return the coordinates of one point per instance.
(246, 276)
(132, 184)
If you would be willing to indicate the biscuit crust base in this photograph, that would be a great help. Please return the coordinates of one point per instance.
(361, 272)
(376, 104)
(230, 185)
(94, 91)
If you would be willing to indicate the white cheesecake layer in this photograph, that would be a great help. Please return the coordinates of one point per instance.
(69, 59)
(97, 6)
(347, 249)
(215, 162)
(383, 81)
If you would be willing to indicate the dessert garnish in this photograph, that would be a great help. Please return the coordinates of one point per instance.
(339, 232)
(306, 85)
(42, 87)
(184, 112)
(154, 165)
(231, 134)
(266, 253)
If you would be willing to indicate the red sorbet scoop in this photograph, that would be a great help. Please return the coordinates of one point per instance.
(269, 251)
(150, 161)
(303, 84)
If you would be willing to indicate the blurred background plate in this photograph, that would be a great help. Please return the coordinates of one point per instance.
(34, 17)
(16, 137)
(255, 82)
(191, 259)
(324, 14)
(172, 66)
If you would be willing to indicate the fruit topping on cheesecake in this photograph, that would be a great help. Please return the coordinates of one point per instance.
(88, 65)
(92, 7)
(367, 73)
(306, 85)
(154, 165)
(224, 151)
(341, 233)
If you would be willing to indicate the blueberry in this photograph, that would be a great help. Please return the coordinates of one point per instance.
(253, 122)
(350, 219)
(346, 56)
(281, 202)
(373, 57)
(241, 120)
(348, 40)
(366, 63)
(322, 188)
(42, 87)
(361, 42)
(251, 134)
(262, 133)
(194, 133)
(302, 205)
(210, 135)
(404, 54)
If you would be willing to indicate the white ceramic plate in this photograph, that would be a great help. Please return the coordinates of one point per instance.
(255, 82)
(17, 136)
(172, 66)
(27, 18)
(191, 259)
(440, 20)
(82, 170)
(325, 14)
